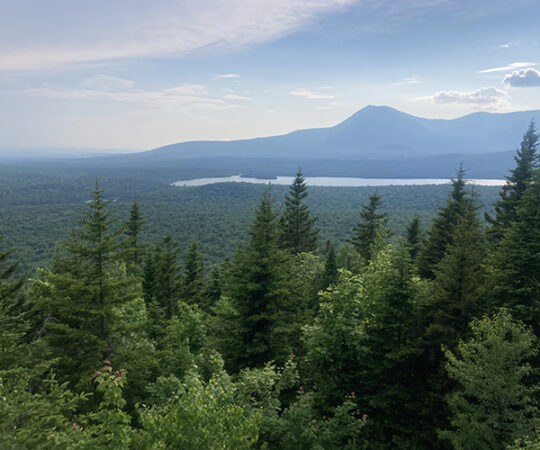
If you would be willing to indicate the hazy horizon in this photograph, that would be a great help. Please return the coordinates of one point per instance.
(138, 75)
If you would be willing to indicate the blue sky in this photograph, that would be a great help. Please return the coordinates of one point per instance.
(137, 75)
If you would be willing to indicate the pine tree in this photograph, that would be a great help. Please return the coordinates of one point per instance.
(298, 234)
(365, 231)
(494, 403)
(193, 275)
(134, 227)
(258, 288)
(459, 281)
(515, 279)
(162, 276)
(460, 203)
(78, 305)
(212, 290)
(516, 184)
(330, 275)
(13, 326)
(414, 237)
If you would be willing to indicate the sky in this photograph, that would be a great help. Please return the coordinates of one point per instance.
(136, 75)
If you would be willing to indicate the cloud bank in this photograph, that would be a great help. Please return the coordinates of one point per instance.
(484, 96)
(523, 78)
(136, 29)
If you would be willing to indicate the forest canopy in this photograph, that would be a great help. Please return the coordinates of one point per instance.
(418, 336)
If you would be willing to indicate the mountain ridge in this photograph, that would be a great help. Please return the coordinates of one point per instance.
(372, 130)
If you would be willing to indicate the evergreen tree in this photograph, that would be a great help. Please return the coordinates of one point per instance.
(494, 404)
(516, 184)
(392, 383)
(297, 232)
(162, 276)
(258, 290)
(460, 203)
(365, 231)
(212, 289)
(79, 305)
(330, 275)
(193, 275)
(414, 237)
(459, 281)
(457, 299)
(133, 228)
(13, 325)
(515, 279)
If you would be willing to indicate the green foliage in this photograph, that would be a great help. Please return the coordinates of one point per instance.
(297, 232)
(515, 278)
(494, 405)
(365, 231)
(516, 184)
(31, 419)
(414, 237)
(13, 323)
(162, 278)
(459, 281)
(330, 275)
(133, 228)
(259, 291)
(368, 347)
(193, 275)
(200, 415)
(460, 204)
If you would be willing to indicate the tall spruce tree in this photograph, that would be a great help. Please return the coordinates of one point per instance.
(258, 289)
(162, 277)
(365, 231)
(330, 275)
(297, 231)
(516, 184)
(133, 228)
(515, 279)
(494, 403)
(414, 237)
(193, 275)
(460, 203)
(78, 305)
(459, 281)
(13, 325)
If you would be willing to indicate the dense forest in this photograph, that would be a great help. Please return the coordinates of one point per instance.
(38, 209)
(391, 337)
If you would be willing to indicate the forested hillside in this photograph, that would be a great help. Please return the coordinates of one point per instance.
(39, 209)
(341, 321)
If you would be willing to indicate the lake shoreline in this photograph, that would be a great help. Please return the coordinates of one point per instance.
(334, 181)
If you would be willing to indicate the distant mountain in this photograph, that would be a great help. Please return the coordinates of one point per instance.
(374, 132)
(377, 141)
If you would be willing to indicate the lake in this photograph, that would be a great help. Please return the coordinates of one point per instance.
(335, 181)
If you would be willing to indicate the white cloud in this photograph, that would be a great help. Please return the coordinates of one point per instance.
(330, 105)
(107, 83)
(484, 96)
(235, 97)
(516, 65)
(185, 97)
(221, 76)
(188, 89)
(300, 92)
(523, 78)
(108, 31)
(407, 80)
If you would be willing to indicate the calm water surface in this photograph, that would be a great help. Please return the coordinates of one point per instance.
(334, 181)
